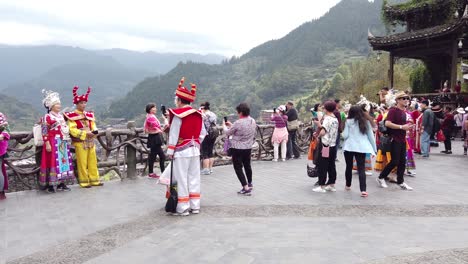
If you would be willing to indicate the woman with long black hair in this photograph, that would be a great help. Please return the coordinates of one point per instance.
(358, 140)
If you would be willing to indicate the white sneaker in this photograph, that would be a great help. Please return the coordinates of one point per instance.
(405, 186)
(410, 174)
(330, 188)
(283, 160)
(196, 211)
(186, 213)
(382, 183)
(205, 172)
(275, 160)
(319, 189)
(211, 171)
(368, 173)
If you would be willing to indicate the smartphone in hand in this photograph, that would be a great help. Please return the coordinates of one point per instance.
(274, 110)
(225, 119)
(163, 109)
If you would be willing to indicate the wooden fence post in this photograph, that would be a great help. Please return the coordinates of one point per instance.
(131, 152)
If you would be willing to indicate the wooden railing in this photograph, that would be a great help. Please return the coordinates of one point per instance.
(123, 151)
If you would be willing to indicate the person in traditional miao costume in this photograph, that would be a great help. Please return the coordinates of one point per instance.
(186, 131)
(383, 158)
(417, 131)
(83, 132)
(56, 169)
(410, 163)
(4, 137)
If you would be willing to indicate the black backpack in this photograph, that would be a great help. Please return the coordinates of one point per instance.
(212, 131)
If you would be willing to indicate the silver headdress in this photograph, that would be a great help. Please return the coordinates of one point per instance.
(51, 98)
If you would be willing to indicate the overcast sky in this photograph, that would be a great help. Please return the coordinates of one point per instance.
(199, 26)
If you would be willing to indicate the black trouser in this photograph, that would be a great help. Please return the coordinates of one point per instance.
(292, 147)
(327, 165)
(361, 167)
(241, 158)
(448, 141)
(338, 141)
(156, 151)
(398, 152)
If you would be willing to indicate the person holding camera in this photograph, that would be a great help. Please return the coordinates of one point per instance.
(280, 133)
(83, 132)
(243, 137)
(155, 139)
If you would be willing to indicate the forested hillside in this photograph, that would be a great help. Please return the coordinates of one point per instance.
(273, 72)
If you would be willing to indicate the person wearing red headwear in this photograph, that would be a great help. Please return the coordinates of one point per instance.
(83, 132)
(185, 135)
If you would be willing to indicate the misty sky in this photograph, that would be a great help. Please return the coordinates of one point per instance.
(198, 26)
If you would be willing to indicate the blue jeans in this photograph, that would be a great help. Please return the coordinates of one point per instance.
(425, 143)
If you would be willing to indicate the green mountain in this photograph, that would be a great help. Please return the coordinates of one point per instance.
(109, 81)
(24, 63)
(273, 72)
(21, 116)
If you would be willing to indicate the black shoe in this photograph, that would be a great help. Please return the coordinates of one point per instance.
(444, 151)
(448, 152)
(50, 189)
(63, 187)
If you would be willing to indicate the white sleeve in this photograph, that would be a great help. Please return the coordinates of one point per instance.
(174, 134)
(202, 133)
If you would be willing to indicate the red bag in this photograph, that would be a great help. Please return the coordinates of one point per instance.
(440, 136)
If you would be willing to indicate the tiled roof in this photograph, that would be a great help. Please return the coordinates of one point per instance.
(417, 35)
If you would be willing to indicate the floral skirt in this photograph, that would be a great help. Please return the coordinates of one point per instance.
(410, 163)
(382, 160)
(279, 135)
(368, 163)
(56, 166)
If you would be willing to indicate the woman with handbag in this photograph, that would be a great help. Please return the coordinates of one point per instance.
(243, 136)
(280, 133)
(358, 141)
(155, 140)
(327, 132)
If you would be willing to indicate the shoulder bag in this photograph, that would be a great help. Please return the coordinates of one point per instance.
(171, 204)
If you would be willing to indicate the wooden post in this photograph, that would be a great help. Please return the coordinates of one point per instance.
(131, 152)
(453, 68)
(391, 71)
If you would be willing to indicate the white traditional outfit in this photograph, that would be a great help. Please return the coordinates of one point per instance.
(185, 135)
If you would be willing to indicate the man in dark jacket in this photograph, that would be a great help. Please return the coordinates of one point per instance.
(427, 127)
(447, 127)
(293, 123)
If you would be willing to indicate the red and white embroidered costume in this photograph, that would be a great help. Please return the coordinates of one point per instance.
(185, 135)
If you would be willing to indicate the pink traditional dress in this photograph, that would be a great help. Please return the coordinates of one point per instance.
(417, 131)
(410, 163)
(57, 165)
(5, 132)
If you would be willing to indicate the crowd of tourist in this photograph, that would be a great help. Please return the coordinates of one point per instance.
(389, 132)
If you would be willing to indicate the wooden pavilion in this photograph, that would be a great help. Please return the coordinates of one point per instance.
(436, 33)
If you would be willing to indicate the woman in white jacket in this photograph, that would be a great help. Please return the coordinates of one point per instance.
(358, 140)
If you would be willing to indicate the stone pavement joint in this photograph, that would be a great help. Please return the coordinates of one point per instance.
(452, 256)
(98, 243)
(336, 210)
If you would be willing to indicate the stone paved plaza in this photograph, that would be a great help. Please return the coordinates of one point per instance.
(282, 222)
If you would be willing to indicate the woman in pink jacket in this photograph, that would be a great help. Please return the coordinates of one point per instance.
(155, 140)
